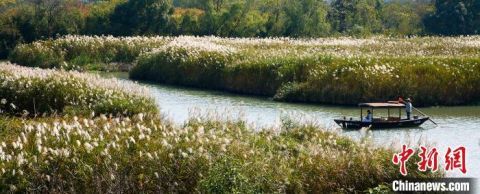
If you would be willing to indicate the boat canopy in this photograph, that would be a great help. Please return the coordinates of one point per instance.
(382, 105)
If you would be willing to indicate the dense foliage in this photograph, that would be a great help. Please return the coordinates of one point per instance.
(35, 92)
(336, 71)
(29, 20)
(454, 18)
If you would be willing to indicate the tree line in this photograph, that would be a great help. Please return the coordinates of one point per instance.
(30, 20)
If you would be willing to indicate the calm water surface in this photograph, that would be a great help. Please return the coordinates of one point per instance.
(457, 126)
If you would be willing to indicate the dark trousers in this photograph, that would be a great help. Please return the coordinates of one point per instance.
(408, 115)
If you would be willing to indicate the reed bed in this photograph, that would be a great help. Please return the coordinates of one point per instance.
(34, 92)
(85, 52)
(132, 151)
(134, 154)
(344, 71)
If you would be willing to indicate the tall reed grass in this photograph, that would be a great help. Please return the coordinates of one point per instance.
(125, 155)
(28, 91)
(302, 72)
(430, 70)
(85, 52)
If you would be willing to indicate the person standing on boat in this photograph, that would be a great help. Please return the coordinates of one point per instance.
(408, 107)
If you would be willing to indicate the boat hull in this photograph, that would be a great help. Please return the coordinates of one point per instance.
(352, 124)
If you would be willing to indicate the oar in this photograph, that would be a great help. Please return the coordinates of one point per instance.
(425, 115)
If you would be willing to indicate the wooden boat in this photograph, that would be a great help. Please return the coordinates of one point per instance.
(381, 122)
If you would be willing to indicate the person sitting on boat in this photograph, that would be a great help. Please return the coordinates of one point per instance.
(369, 117)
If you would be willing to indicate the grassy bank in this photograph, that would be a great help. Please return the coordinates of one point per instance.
(136, 155)
(85, 52)
(444, 72)
(28, 91)
(344, 71)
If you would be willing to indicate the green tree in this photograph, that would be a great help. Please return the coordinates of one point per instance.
(401, 18)
(97, 22)
(241, 20)
(48, 18)
(460, 17)
(356, 17)
(229, 21)
(341, 15)
(209, 22)
(189, 24)
(276, 19)
(9, 34)
(142, 17)
(306, 18)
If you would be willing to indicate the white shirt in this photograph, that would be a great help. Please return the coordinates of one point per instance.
(368, 118)
(408, 107)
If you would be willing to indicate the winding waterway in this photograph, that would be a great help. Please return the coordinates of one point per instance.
(457, 126)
